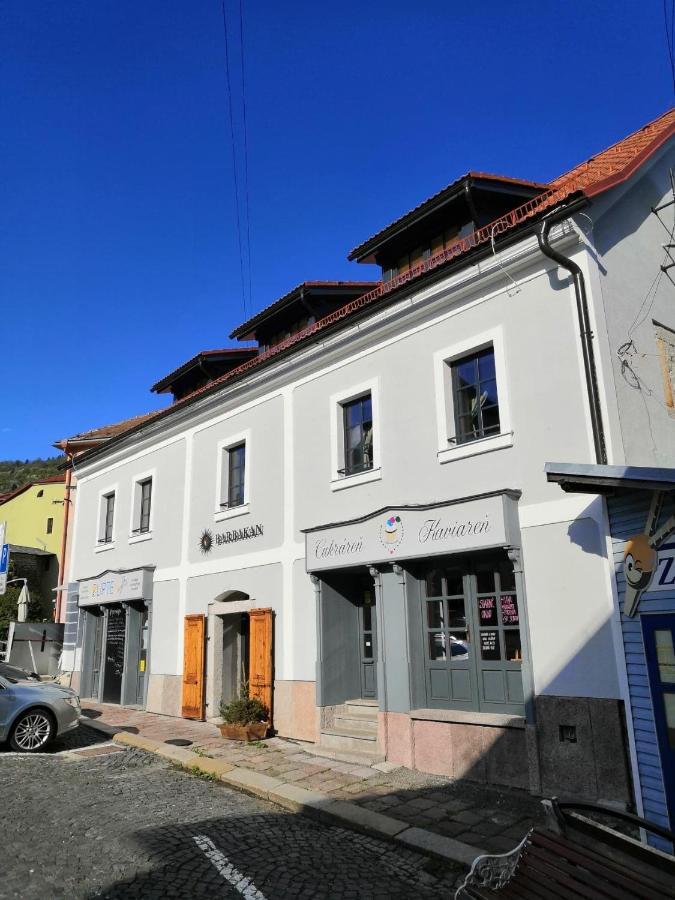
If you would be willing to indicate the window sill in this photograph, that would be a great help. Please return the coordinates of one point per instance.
(475, 448)
(220, 515)
(101, 548)
(464, 717)
(138, 538)
(347, 481)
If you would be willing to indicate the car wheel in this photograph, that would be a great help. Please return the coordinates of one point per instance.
(32, 731)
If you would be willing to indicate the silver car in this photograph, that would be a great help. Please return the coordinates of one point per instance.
(32, 713)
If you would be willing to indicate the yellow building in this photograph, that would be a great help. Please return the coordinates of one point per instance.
(34, 514)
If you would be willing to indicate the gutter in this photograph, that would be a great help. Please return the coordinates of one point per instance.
(585, 333)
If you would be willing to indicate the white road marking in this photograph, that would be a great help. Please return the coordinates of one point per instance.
(229, 872)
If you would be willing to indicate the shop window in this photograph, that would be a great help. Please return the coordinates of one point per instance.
(472, 643)
(357, 418)
(475, 401)
(50, 525)
(142, 517)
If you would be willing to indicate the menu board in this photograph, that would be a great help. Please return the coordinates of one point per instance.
(509, 605)
(487, 610)
(114, 654)
(489, 645)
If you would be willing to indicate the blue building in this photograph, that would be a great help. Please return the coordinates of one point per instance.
(641, 514)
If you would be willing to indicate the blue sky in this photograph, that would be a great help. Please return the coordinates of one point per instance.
(119, 256)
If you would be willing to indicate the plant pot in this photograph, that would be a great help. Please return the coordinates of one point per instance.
(255, 731)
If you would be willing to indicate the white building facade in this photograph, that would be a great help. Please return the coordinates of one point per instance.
(374, 489)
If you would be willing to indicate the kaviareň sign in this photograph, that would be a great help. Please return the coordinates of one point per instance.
(115, 587)
(407, 532)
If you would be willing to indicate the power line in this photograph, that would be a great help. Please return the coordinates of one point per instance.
(234, 154)
(670, 36)
(243, 102)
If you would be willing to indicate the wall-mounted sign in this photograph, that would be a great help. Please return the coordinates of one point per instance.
(114, 587)
(648, 555)
(408, 532)
(208, 538)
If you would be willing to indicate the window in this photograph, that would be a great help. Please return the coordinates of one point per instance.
(358, 435)
(141, 519)
(40, 493)
(146, 500)
(474, 390)
(236, 471)
(50, 525)
(108, 515)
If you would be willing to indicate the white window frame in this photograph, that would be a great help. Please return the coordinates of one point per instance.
(337, 449)
(100, 518)
(445, 417)
(224, 446)
(136, 504)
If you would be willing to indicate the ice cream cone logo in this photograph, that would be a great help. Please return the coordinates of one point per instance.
(391, 533)
(639, 561)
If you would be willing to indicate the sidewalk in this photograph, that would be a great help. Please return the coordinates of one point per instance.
(455, 820)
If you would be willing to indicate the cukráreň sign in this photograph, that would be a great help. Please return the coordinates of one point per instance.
(406, 532)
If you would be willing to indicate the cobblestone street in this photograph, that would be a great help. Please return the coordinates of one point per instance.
(91, 820)
(485, 817)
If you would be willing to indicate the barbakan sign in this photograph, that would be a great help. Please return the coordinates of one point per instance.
(408, 532)
(247, 532)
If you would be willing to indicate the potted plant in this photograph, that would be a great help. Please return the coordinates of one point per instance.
(245, 718)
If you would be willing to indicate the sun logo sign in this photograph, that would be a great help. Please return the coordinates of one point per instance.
(391, 533)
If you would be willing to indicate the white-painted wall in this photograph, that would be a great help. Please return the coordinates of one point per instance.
(287, 413)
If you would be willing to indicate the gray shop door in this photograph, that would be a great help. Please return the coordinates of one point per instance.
(115, 652)
(471, 628)
(368, 645)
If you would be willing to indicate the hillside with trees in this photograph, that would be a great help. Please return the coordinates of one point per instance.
(14, 473)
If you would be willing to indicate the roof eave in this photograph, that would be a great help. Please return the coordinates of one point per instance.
(586, 478)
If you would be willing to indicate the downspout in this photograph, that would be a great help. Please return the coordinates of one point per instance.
(586, 336)
(64, 537)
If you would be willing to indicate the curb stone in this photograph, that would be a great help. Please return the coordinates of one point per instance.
(310, 803)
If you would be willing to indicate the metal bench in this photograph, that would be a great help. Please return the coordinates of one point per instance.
(576, 857)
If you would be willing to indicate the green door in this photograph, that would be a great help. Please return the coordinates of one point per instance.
(471, 628)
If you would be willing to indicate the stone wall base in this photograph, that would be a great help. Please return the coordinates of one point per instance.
(164, 695)
(482, 753)
(582, 748)
(295, 711)
(577, 749)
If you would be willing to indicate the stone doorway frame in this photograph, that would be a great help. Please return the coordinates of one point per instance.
(226, 604)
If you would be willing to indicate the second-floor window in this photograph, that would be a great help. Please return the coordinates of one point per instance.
(358, 435)
(474, 391)
(236, 470)
(142, 506)
(50, 525)
(108, 518)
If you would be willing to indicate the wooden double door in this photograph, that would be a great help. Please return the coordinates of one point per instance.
(260, 640)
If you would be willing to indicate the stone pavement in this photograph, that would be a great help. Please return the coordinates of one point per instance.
(129, 825)
(482, 817)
